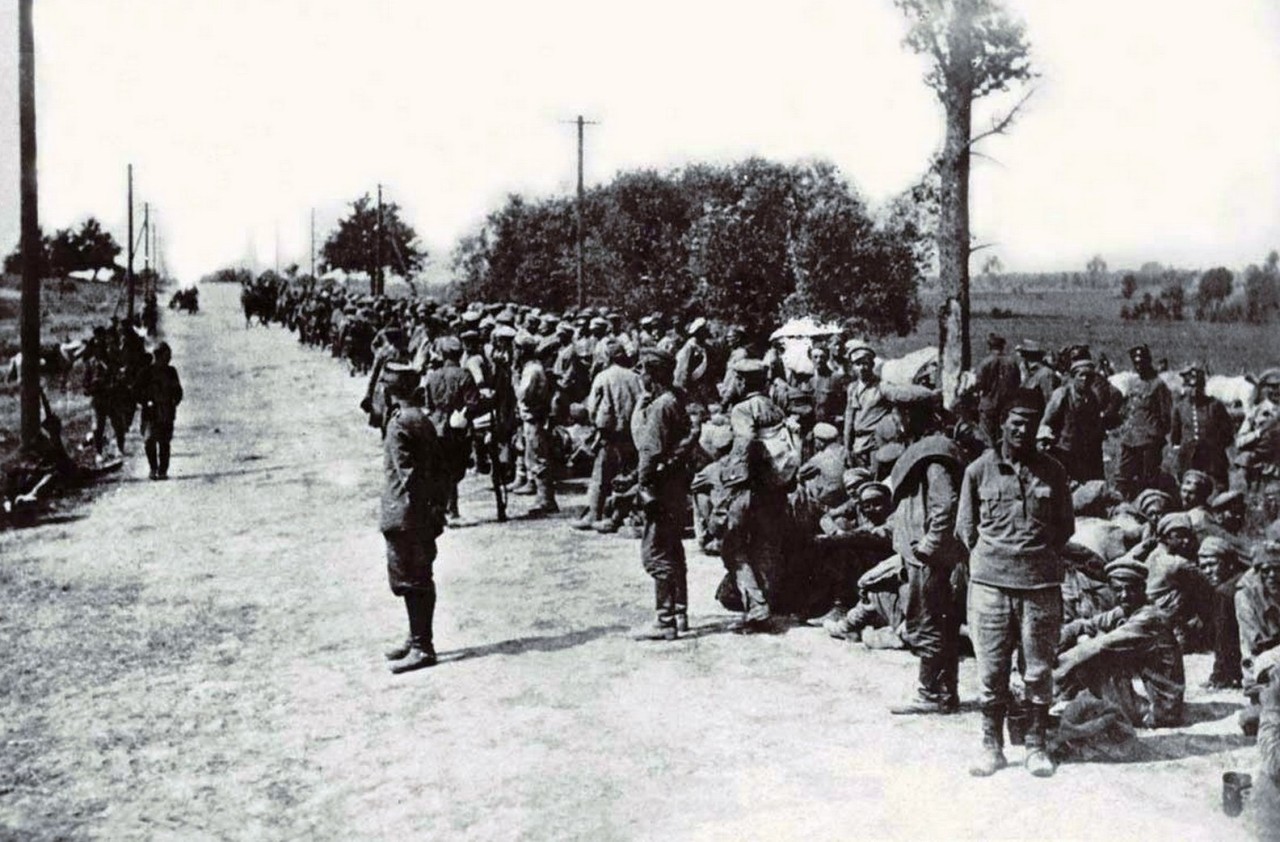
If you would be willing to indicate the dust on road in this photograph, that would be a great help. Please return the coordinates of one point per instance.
(201, 658)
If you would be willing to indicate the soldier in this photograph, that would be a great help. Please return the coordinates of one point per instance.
(997, 377)
(1201, 429)
(450, 396)
(865, 406)
(692, 360)
(830, 388)
(412, 514)
(1073, 424)
(753, 536)
(614, 395)
(660, 430)
(160, 392)
(1105, 653)
(925, 481)
(1039, 374)
(1148, 410)
(533, 396)
(1015, 517)
(1258, 613)
(1258, 439)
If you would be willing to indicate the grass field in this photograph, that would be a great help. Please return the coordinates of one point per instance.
(1056, 319)
(68, 310)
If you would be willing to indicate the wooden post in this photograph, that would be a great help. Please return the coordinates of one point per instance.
(128, 272)
(32, 247)
(578, 214)
(376, 281)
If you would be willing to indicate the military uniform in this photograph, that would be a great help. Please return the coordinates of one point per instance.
(615, 392)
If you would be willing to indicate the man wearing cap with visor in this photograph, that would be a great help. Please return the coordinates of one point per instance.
(1105, 653)
(996, 378)
(660, 431)
(1015, 516)
(1073, 423)
(1148, 409)
(1258, 615)
(1258, 439)
(1039, 376)
(1201, 428)
(451, 395)
(692, 360)
(865, 406)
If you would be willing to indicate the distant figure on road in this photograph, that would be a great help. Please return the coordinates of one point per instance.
(414, 499)
(160, 392)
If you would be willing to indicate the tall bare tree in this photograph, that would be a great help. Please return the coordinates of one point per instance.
(975, 49)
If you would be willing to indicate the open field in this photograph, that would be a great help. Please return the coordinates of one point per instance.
(1056, 319)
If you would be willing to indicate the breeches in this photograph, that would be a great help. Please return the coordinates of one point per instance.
(1001, 619)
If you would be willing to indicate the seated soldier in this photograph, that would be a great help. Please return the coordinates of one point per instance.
(620, 507)
(1195, 490)
(819, 489)
(1258, 615)
(879, 619)
(1175, 584)
(861, 543)
(1104, 654)
(1221, 564)
(577, 442)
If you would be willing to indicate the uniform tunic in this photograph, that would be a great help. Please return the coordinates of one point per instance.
(413, 497)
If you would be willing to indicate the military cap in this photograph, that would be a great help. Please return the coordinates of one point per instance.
(1200, 478)
(546, 345)
(1225, 500)
(1126, 570)
(1171, 522)
(1151, 502)
(856, 349)
(504, 332)
(565, 327)
(1270, 377)
(1140, 352)
(1267, 553)
(551, 319)
(749, 367)
(824, 432)
(1193, 370)
(1083, 364)
(872, 490)
(469, 335)
(715, 439)
(909, 396)
(487, 323)
(1026, 402)
(855, 478)
(449, 345)
(1212, 546)
(506, 317)
(1030, 348)
(995, 340)
(527, 341)
(656, 358)
(597, 321)
(735, 330)
(471, 316)
(697, 325)
(646, 321)
(1079, 352)
(578, 413)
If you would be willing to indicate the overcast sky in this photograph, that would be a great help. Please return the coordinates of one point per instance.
(1154, 133)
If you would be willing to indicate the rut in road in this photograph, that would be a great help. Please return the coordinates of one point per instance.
(201, 657)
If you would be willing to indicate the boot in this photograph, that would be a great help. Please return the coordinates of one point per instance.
(421, 608)
(152, 460)
(991, 760)
(657, 630)
(682, 619)
(606, 526)
(546, 504)
(526, 488)
(399, 651)
(1017, 722)
(585, 522)
(1038, 761)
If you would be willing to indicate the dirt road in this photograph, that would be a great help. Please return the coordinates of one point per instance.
(201, 659)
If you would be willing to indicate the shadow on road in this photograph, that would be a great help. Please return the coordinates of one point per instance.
(520, 645)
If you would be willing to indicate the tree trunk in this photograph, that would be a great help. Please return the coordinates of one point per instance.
(953, 222)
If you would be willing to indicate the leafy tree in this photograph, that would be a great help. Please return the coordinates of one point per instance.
(974, 49)
(1128, 285)
(1213, 289)
(353, 245)
(97, 249)
(1262, 291)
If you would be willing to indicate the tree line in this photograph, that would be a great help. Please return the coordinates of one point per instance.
(88, 247)
(751, 242)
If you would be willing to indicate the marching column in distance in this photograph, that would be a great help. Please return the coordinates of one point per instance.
(1015, 517)
(660, 428)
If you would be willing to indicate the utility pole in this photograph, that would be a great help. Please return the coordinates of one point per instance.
(377, 269)
(32, 248)
(313, 246)
(146, 237)
(128, 272)
(580, 122)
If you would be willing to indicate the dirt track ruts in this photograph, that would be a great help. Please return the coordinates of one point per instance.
(200, 658)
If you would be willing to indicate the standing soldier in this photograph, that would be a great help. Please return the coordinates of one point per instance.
(925, 483)
(865, 407)
(997, 378)
(412, 513)
(450, 394)
(830, 388)
(1015, 517)
(1040, 375)
(1258, 439)
(660, 430)
(160, 392)
(1073, 424)
(1148, 410)
(692, 360)
(1201, 429)
(533, 396)
(613, 398)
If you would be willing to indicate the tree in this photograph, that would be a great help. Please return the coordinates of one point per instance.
(1262, 291)
(97, 248)
(353, 245)
(1097, 271)
(1128, 286)
(975, 49)
(1214, 288)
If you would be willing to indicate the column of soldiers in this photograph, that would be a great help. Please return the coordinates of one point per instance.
(863, 506)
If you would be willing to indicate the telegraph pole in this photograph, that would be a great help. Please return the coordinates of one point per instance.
(313, 246)
(129, 268)
(580, 122)
(146, 237)
(377, 269)
(32, 248)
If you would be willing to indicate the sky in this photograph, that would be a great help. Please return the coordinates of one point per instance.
(1152, 133)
